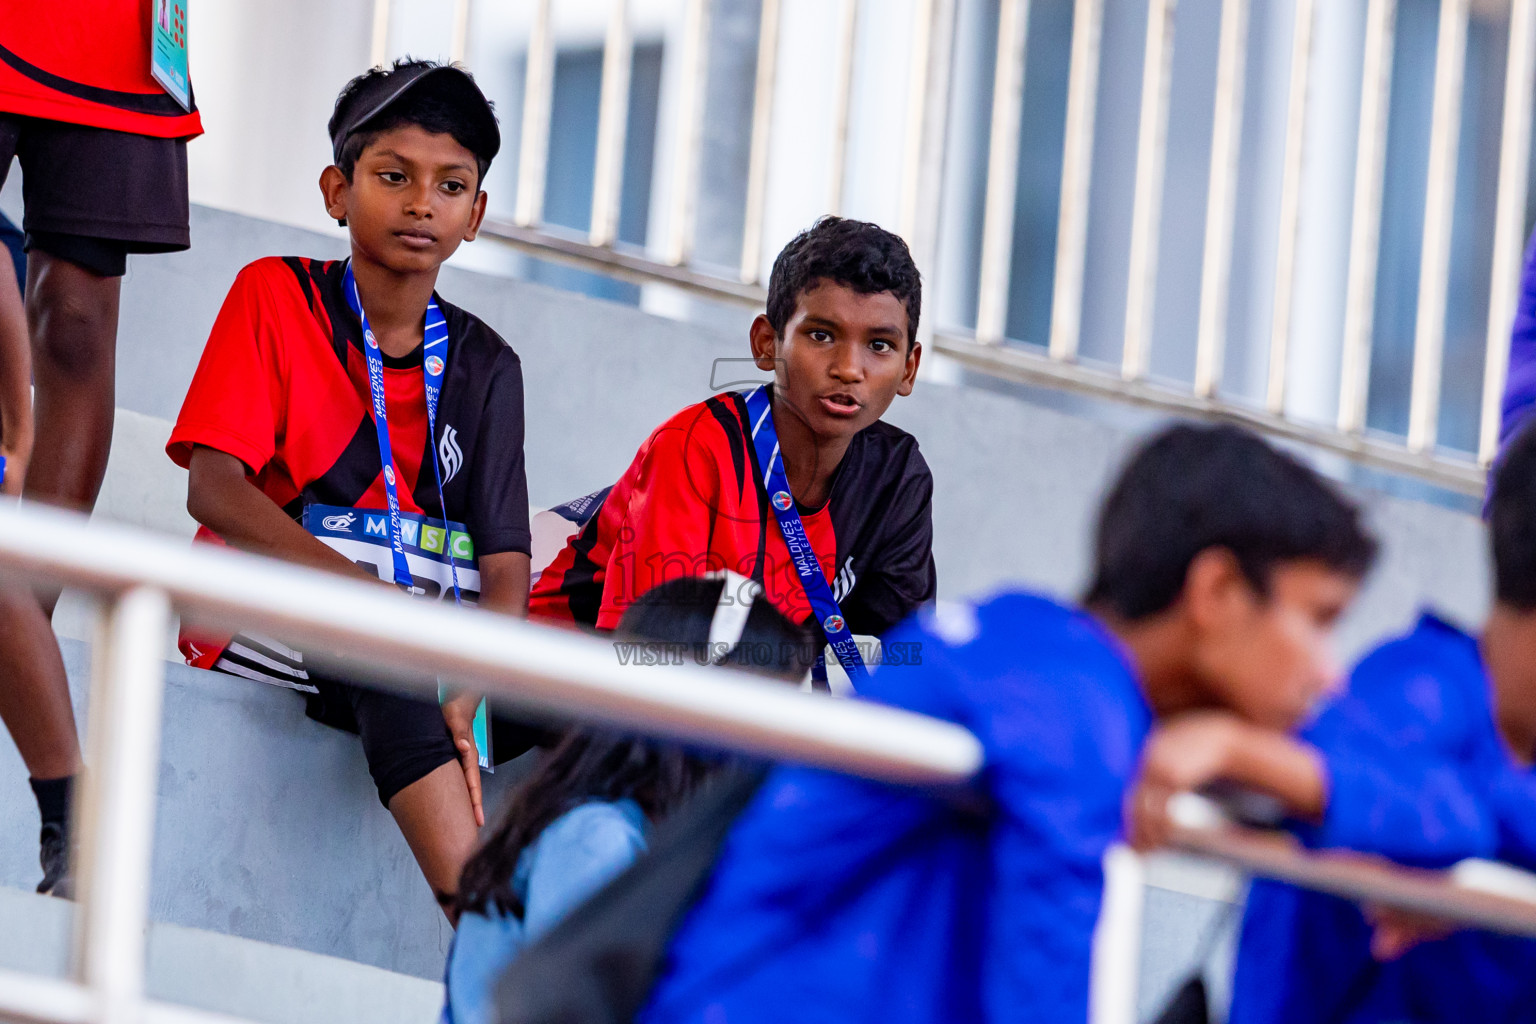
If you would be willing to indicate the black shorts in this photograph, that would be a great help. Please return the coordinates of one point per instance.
(405, 738)
(93, 195)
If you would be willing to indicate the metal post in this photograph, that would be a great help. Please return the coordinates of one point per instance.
(1221, 200)
(538, 99)
(459, 49)
(762, 130)
(842, 99)
(1439, 208)
(922, 190)
(1290, 206)
(1117, 939)
(1002, 172)
(1146, 214)
(612, 123)
(683, 198)
(1514, 167)
(1365, 228)
(117, 813)
(1076, 172)
(378, 47)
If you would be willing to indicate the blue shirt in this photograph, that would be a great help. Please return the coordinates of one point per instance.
(576, 855)
(1417, 773)
(838, 899)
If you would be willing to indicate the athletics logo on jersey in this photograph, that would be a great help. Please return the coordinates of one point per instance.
(434, 366)
(449, 456)
(782, 501)
(389, 474)
(339, 523)
(370, 339)
(833, 624)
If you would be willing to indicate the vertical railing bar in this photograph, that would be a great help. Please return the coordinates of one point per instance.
(118, 805)
(1514, 168)
(683, 206)
(538, 98)
(1221, 197)
(1076, 175)
(612, 125)
(842, 99)
(1290, 206)
(458, 51)
(1002, 172)
(1146, 213)
(378, 47)
(927, 141)
(1116, 971)
(1439, 211)
(762, 132)
(1365, 221)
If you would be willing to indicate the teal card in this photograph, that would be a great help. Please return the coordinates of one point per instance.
(168, 50)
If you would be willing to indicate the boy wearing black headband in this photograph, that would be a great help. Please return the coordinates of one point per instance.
(342, 412)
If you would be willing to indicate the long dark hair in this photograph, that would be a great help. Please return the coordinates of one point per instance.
(596, 765)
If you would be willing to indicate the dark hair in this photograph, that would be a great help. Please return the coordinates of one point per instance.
(591, 765)
(1512, 522)
(1192, 488)
(427, 106)
(853, 253)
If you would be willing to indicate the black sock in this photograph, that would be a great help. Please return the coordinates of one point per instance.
(53, 799)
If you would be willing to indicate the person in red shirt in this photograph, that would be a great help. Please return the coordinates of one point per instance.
(839, 337)
(282, 417)
(102, 149)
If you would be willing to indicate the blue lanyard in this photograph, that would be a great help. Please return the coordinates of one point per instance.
(766, 440)
(433, 365)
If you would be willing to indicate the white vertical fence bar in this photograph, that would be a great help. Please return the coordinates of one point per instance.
(1146, 213)
(118, 808)
(1076, 175)
(1290, 206)
(1221, 197)
(538, 99)
(1365, 225)
(1113, 987)
(378, 46)
(926, 142)
(842, 100)
(612, 124)
(1439, 210)
(684, 200)
(762, 132)
(1002, 172)
(1514, 161)
(459, 48)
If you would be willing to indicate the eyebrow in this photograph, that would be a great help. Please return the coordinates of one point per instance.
(402, 158)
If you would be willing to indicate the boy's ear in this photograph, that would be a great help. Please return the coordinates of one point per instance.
(909, 372)
(478, 218)
(764, 343)
(333, 188)
(1216, 591)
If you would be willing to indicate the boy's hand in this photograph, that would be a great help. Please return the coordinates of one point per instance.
(1395, 931)
(459, 713)
(1187, 753)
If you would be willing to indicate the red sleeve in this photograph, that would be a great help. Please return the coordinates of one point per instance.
(233, 401)
(665, 529)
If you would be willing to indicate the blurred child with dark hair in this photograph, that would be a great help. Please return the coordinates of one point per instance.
(586, 812)
(1222, 566)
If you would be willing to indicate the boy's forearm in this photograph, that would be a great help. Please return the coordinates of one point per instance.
(1283, 767)
(504, 583)
(15, 367)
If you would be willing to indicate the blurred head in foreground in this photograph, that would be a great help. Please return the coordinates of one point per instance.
(721, 619)
(1231, 561)
(1509, 638)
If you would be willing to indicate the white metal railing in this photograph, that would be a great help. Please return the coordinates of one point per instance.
(1057, 362)
(143, 580)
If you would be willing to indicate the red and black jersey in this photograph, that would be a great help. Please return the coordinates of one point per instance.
(693, 501)
(283, 387)
(86, 62)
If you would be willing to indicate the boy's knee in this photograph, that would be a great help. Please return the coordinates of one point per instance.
(73, 315)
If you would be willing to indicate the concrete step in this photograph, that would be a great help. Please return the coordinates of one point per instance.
(257, 981)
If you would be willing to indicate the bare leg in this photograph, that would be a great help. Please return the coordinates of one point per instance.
(436, 818)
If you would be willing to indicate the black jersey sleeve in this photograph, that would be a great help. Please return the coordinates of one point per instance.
(496, 511)
(898, 575)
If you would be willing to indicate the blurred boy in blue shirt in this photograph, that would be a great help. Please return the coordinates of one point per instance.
(1430, 756)
(1221, 567)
